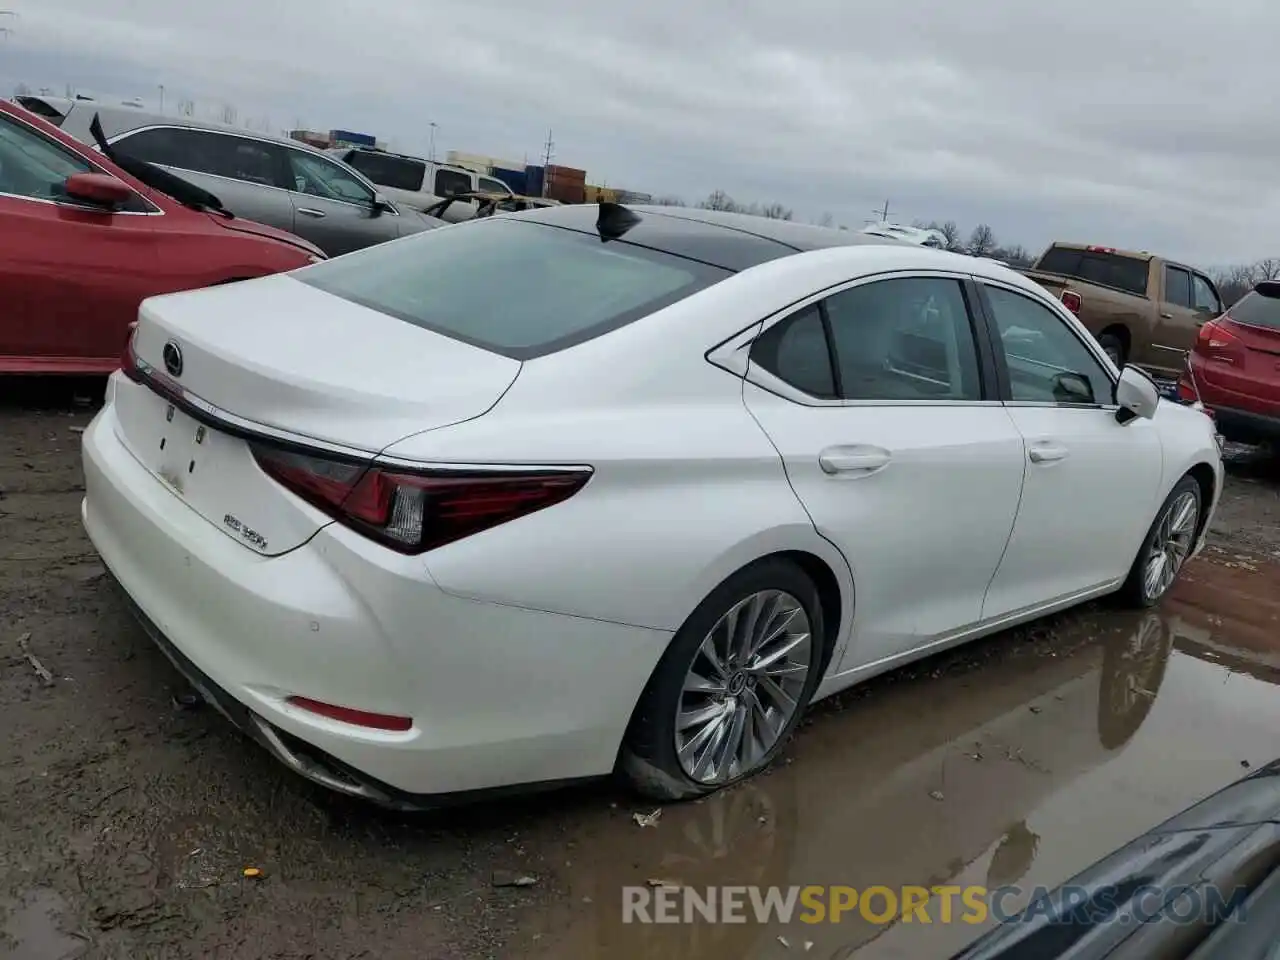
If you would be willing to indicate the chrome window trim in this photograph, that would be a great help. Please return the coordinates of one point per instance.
(155, 211)
(733, 354)
(355, 174)
(148, 376)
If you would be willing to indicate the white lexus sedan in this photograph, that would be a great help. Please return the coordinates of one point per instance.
(546, 496)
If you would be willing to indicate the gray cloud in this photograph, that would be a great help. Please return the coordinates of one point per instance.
(1121, 122)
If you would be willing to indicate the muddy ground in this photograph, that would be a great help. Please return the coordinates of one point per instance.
(127, 817)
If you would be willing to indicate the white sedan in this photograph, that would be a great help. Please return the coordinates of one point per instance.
(545, 496)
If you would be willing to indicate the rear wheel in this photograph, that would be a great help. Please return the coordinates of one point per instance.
(1113, 346)
(1167, 545)
(730, 689)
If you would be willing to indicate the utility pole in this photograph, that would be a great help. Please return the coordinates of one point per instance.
(161, 97)
(7, 31)
(432, 152)
(546, 163)
(882, 214)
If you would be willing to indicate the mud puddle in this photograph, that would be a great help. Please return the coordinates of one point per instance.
(1021, 772)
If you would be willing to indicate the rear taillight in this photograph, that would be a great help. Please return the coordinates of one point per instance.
(1071, 300)
(1216, 342)
(415, 511)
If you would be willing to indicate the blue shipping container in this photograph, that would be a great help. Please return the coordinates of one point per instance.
(534, 177)
(346, 136)
(515, 179)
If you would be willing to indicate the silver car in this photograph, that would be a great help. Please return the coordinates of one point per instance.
(272, 180)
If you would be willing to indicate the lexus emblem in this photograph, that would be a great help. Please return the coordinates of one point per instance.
(173, 358)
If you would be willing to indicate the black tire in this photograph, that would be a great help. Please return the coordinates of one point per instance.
(648, 759)
(1114, 348)
(1132, 593)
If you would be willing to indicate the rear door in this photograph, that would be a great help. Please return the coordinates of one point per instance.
(1091, 482)
(332, 208)
(248, 175)
(1178, 320)
(71, 276)
(880, 402)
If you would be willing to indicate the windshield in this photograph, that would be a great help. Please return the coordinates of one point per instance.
(514, 287)
(1095, 266)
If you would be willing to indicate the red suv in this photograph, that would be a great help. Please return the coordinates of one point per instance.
(1234, 367)
(82, 243)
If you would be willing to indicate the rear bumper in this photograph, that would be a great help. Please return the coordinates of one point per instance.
(500, 696)
(1243, 426)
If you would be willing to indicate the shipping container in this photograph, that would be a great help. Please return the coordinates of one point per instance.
(567, 192)
(356, 139)
(535, 179)
(634, 196)
(566, 174)
(515, 179)
(311, 138)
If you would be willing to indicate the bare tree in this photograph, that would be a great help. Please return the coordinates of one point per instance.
(775, 211)
(826, 220)
(719, 200)
(1267, 269)
(982, 241)
(1015, 255)
(22, 90)
(669, 200)
(950, 233)
(229, 114)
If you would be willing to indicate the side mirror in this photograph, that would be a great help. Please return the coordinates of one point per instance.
(1136, 395)
(1072, 388)
(98, 189)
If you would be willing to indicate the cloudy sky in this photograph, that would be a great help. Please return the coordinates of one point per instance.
(1124, 122)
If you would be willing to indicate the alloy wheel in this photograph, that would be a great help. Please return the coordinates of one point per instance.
(1170, 546)
(743, 687)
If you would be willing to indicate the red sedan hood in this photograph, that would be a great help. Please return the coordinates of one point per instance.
(262, 230)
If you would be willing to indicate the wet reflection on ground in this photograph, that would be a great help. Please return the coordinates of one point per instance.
(1071, 739)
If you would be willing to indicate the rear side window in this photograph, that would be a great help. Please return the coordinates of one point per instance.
(1177, 286)
(1205, 296)
(1259, 309)
(202, 151)
(1129, 274)
(450, 182)
(512, 287)
(399, 173)
(795, 351)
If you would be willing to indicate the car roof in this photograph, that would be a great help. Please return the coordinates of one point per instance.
(731, 241)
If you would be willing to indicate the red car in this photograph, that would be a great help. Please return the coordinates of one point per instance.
(82, 242)
(1234, 367)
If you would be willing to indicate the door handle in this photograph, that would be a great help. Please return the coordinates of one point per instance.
(1047, 453)
(310, 212)
(858, 460)
(1166, 316)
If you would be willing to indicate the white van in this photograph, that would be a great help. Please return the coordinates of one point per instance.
(420, 183)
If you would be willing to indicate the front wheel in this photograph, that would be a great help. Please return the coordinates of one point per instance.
(1167, 545)
(730, 689)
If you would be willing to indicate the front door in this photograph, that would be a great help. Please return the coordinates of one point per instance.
(877, 402)
(71, 275)
(1087, 501)
(333, 209)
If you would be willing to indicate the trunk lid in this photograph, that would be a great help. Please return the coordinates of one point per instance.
(284, 355)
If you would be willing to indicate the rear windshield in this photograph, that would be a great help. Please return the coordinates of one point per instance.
(398, 173)
(514, 287)
(1257, 310)
(1107, 269)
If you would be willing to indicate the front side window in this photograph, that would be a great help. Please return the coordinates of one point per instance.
(449, 182)
(1047, 362)
(32, 166)
(489, 185)
(318, 177)
(513, 287)
(1204, 296)
(1177, 287)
